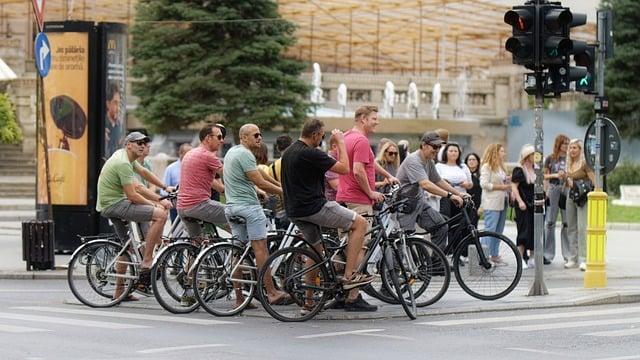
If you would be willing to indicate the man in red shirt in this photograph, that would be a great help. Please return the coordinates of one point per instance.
(357, 188)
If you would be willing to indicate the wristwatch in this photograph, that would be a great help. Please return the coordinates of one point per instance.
(449, 195)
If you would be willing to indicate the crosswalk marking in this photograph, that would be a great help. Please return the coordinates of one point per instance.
(616, 333)
(490, 320)
(55, 320)
(570, 325)
(177, 348)
(19, 329)
(135, 316)
(338, 333)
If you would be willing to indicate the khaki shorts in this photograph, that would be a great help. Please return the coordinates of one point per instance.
(331, 215)
(126, 210)
(362, 209)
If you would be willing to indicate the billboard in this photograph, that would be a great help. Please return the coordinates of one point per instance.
(114, 43)
(66, 106)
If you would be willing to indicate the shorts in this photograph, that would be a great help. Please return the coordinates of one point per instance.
(362, 209)
(209, 211)
(255, 226)
(331, 215)
(126, 210)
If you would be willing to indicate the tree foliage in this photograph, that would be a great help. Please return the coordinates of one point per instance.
(9, 129)
(622, 70)
(216, 59)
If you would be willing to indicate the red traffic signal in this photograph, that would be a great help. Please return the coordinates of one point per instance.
(522, 42)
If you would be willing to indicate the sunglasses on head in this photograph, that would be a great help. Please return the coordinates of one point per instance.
(257, 135)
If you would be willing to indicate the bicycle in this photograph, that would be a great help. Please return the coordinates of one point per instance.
(312, 279)
(482, 277)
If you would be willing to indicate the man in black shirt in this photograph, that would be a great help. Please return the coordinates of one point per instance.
(303, 169)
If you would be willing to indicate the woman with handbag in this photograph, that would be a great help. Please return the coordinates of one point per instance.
(495, 189)
(522, 180)
(555, 167)
(579, 179)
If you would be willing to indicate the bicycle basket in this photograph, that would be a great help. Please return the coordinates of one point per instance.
(410, 192)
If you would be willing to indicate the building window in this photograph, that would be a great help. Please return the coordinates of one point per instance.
(359, 95)
(425, 97)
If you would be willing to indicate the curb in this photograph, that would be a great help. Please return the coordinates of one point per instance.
(34, 275)
(616, 297)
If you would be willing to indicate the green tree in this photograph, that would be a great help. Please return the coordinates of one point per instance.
(621, 78)
(216, 60)
(584, 112)
(9, 130)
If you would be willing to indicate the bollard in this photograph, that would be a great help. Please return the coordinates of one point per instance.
(596, 274)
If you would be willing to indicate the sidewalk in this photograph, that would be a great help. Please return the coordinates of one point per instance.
(564, 285)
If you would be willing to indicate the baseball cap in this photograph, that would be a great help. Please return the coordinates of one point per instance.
(432, 138)
(136, 136)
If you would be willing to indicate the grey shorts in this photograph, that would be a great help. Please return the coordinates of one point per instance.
(331, 215)
(209, 211)
(255, 226)
(126, 210)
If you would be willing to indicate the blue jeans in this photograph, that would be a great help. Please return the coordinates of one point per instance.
(494, 221)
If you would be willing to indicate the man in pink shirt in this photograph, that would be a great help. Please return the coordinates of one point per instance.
(197, 178)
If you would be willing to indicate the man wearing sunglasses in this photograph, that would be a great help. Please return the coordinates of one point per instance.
(120, 197)
(197, 178)
(419, 167)
(242, 182)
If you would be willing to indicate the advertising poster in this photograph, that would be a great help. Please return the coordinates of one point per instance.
(115, 44)
(66, 112)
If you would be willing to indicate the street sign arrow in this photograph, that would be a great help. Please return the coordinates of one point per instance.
(42, 54)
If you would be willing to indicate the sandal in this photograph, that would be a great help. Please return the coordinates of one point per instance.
(356, 280)
(284, 299)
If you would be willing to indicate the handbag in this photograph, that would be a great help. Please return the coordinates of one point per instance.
(579, 191)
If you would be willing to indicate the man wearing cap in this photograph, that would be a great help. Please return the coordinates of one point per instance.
(119, 199)
(197, 178)
(419, 167)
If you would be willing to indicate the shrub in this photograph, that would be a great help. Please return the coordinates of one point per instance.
(9, 130)
(626, 173)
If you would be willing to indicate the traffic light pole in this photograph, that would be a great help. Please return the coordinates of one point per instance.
(538, 287)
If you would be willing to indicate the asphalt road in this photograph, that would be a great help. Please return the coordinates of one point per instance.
(36, 323)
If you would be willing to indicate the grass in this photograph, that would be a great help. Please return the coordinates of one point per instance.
(623, 214)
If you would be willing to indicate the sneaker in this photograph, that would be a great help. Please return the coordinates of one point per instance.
(360, 305)
(546, 261)
(570, 264)
(497, 261)
(583, 266)
(188, 299)
(357, 280)
(531, 263)
(524, 265)
(338, 304)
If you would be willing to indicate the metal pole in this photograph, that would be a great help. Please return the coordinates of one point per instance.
(600, 115)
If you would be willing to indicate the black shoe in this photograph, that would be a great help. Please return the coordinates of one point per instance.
(546, 262)
(338, 303)
(360, 305)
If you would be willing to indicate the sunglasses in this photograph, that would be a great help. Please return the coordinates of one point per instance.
(219, 136)
(257, 135)
(392, 153)
(141, 142)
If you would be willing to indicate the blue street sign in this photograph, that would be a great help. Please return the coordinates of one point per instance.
(42, 54)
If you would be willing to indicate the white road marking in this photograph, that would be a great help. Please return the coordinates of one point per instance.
(55, 320)
(630, 357)
(395, 337)
(565, 315)
(32, 291)
(571, 325)
(534, 351)
(135, 316)
(178, 348)
(338, 333)
(19, 329)
(616, 333)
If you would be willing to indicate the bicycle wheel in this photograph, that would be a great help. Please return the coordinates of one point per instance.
(395, 270)
(495, 280)
(214, 289)
(428, 270)
(92, 275)
(171, 281)
(305, 279)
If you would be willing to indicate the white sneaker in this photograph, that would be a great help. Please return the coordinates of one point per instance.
(569, 264)
(531, 263)
(583, 266)
(524, 265)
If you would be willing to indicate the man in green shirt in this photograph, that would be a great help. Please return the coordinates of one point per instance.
(120, 196)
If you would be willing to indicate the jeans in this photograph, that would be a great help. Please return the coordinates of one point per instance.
(553, 193)
(577, 229)
(494, 221)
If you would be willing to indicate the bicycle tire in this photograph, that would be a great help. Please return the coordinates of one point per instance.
(170, 279)
(212, 285)
(89, 279)
(295, 261)
(391, 258)
(472, 277)
(431, 276)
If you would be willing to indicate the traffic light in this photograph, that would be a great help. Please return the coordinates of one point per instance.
(555, 44)
(522, 43)
(586, 59)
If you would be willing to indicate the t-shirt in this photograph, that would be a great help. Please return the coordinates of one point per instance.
(146, 163)
(199, 167)
(238, 189)
(454, 175)
(116, 172)
(303, 171)
(554, 166)
(358, 150)
(415, 169)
